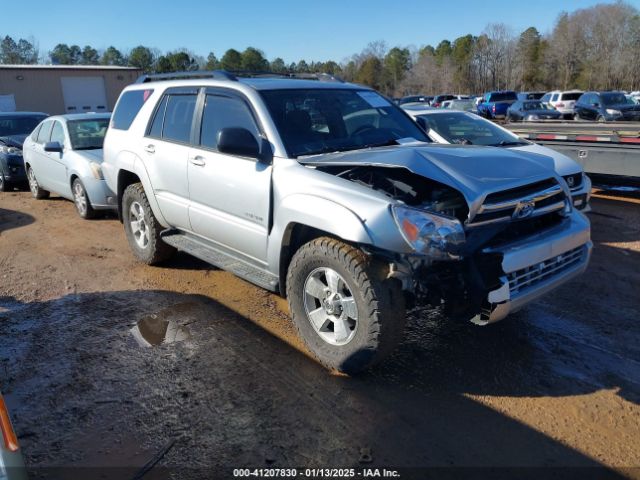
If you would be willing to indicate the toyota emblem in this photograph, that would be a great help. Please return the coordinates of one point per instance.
(524, 209)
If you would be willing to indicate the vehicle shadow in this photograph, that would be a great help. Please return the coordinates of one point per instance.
(87, 394)
(12, 219)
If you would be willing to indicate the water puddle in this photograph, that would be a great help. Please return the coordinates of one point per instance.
(153, 330)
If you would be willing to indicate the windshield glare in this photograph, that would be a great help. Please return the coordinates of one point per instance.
(319, 121)
(467, 128)
(18, 125)
(614, 99)
(87, 134)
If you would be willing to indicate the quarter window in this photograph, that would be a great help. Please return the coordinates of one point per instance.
(178, 118)
(128, 107)
(156, 126)
(224, 112)
(45, 132)
(57, 134)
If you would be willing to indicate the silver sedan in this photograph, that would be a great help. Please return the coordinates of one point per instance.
(64, 155)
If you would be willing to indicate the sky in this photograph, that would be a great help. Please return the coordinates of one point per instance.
(290, 29)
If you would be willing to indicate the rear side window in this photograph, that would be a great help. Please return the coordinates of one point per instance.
(555, 97)
(178, 117)
(158, 119)
(224, 112)
(571, 96)
(128, 107)
(45, 132)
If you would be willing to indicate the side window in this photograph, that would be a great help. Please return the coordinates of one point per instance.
(57, 133)
(546, 97)
(44, 133)
(554, 97)
(224, 112)
(128, 107)
(156, 126)
(34, 134)
(178, 118)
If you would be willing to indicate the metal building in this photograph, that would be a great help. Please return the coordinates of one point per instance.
(56, 89)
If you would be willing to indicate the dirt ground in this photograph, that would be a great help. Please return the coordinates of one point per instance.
(553, 391)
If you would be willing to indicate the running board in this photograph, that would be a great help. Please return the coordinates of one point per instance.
(206, 252)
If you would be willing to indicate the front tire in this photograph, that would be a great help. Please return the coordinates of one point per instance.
(4, 185)
(37, 192)
(81, 200)
(142, 228)
(346, 310)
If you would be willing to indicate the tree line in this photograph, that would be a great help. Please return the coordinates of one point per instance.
(590, 48)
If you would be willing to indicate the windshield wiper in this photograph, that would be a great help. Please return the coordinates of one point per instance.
(504, 143)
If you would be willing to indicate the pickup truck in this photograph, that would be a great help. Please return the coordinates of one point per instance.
(330, 195)
(496, 104)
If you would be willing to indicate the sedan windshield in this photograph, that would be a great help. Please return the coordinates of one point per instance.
(18, 125)
(467, 128)
(87, 134)
(614, 99)
(329, 120)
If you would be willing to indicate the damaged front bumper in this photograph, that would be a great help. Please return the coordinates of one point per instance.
(536, 265)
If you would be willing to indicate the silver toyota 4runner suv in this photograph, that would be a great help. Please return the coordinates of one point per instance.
(326, 192)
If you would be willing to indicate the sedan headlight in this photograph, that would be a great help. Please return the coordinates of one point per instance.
(612, 111)
(96, 169)
(10, 150)
(438, 236)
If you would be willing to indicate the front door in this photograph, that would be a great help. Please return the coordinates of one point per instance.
(230, 195)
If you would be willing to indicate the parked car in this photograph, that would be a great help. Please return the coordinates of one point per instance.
(606, 107)
(562, 101)
(495, 104)
(531, 111)
(64, 155)
(530, 95)
(438, 99)
(11, 461)
(331, 195)
(461, 104)
(466, 128)
(415, 99)
(14, 128)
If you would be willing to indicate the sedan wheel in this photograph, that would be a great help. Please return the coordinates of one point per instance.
(81, 199)
(37, 192)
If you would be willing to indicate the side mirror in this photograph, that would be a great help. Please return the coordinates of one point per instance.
(53, 147)
(238, 141)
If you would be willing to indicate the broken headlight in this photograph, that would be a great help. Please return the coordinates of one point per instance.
(438, 236)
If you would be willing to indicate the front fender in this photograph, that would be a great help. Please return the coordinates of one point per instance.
(315, 212)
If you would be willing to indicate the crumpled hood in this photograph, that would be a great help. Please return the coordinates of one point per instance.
(473, 170)
(562, 164)
(13, 140)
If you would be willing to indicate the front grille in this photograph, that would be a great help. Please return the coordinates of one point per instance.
(525, 278)
(574, 181)
(520, 203)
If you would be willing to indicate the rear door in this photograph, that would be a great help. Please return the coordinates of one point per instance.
(38, 158)
(230, 195)
(166, 149)
(55, 165)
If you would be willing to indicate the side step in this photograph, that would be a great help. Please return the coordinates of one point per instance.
(206, 252)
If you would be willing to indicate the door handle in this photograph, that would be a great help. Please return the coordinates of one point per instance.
(198, 161)
(150, 148)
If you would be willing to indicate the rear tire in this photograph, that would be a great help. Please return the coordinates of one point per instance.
(601, 119)
(142, 228)
(37, 192)
(346, 310)
(81, 200)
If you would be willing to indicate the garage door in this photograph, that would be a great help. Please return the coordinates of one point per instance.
(84, 94)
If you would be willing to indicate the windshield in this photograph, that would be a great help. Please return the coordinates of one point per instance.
(614, 99)
(467, 128)
(534, 106)
(321, 120)
(462, 104)
(19, 125)
(87, 134)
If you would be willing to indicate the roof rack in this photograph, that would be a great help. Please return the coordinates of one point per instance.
(215, 74)
(233, 76)
(320, 76)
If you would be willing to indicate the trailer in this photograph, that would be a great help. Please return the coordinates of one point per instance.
(611, 149)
